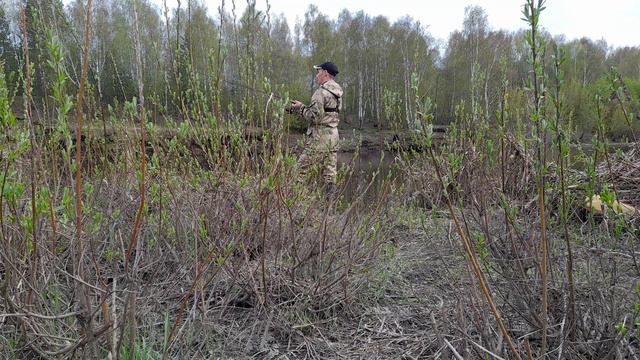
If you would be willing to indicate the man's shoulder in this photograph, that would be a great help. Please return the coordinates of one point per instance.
(333, 87)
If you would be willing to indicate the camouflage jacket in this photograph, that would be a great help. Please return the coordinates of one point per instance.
(326, 103)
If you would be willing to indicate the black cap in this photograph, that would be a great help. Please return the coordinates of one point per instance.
(329, 66)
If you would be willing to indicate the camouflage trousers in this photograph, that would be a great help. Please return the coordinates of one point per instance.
(321, 153)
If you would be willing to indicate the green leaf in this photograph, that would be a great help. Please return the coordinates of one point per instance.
(607, 196)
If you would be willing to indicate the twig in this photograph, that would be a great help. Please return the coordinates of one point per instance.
(32, 153)
(83, 291)
(83, 341)
(485, 350)
(143, 153)
(39, 316)
(453, 350)
(473, 262)
(527, 347)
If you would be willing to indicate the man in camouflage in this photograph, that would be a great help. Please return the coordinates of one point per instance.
(323, 117)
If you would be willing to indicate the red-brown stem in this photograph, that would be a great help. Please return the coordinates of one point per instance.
(543, 267)
(4, 181)
(473, 262)
(527, 347)
(571, 307)
(183, 305)
(265, 214)
(54, 226)
(32, 153)
(541, 182)
(143, 153)
(83, 291)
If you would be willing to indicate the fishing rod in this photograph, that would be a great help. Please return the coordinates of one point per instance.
(255, 90)
(272, 95)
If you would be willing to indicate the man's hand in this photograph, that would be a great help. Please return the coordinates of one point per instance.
(294, 107)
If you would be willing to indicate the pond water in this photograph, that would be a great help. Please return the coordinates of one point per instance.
(365, 165)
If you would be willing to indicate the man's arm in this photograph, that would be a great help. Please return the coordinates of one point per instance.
(314, 112)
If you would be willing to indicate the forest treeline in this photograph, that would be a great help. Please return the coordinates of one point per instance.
(226, 65)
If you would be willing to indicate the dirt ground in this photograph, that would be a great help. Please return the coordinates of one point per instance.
(402, 314)
(423, 304)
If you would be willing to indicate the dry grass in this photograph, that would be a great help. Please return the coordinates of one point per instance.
(238, 260)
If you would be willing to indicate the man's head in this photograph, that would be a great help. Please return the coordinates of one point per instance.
(325, 72)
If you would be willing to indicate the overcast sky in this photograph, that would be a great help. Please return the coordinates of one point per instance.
(616, 21)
